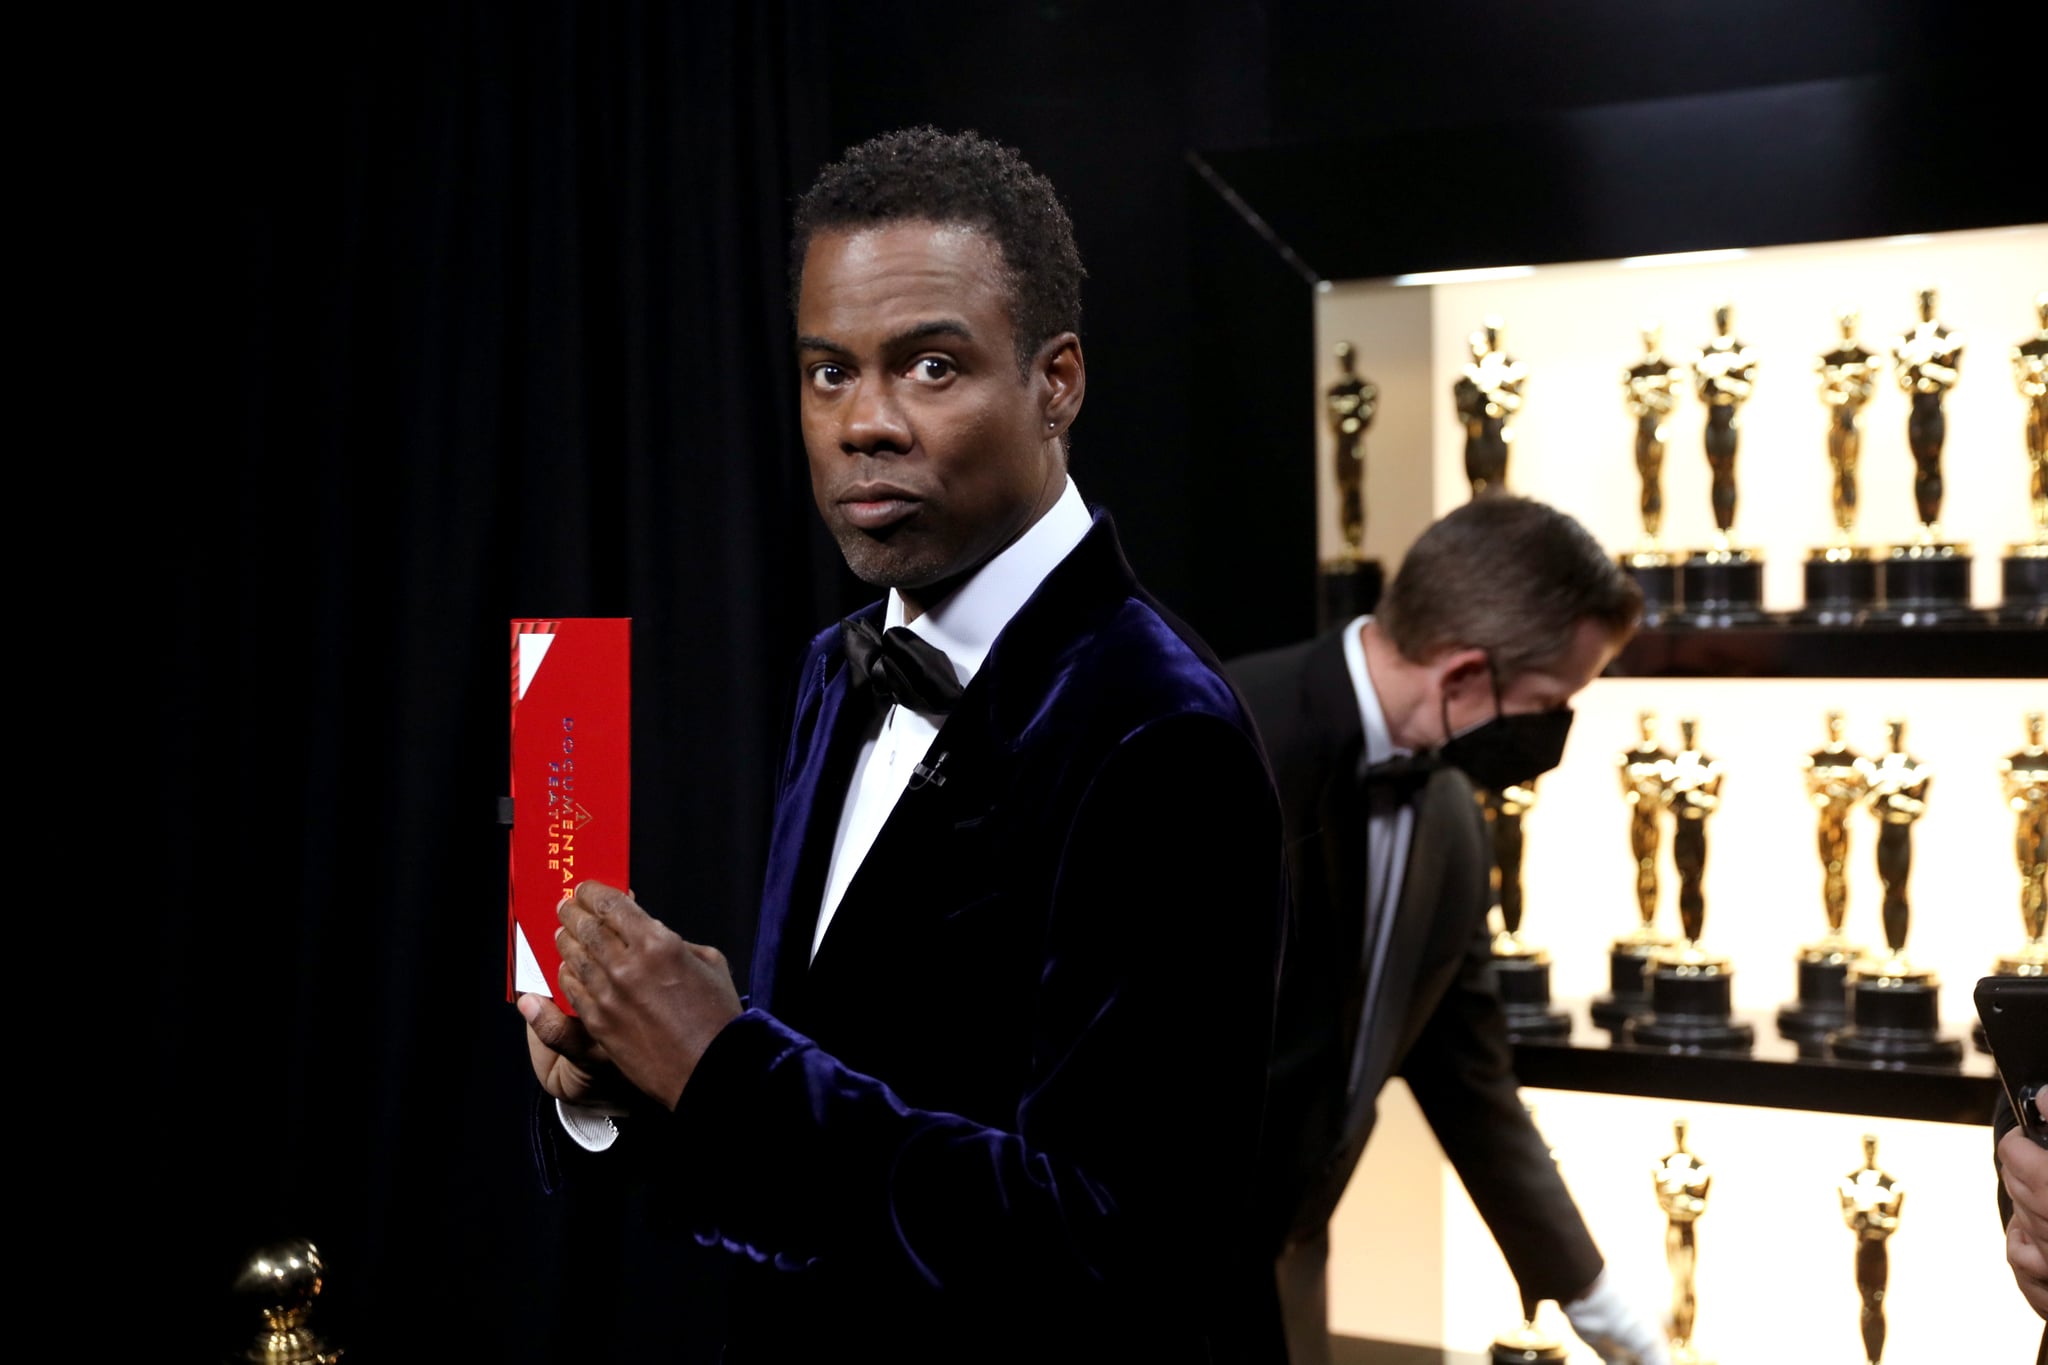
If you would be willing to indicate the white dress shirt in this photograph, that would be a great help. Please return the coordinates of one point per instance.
(963, 627)
(1390, 823)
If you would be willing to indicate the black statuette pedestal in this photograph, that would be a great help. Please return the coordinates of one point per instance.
(1722, 588)
(1690, 1011)
(1925, 585)
(1841, 587)
(1656, 574)
(1821, 1007)
(1628, 968)
(1510, 1352)
(1895, 1021)
(2023, 586)
(1525, 998)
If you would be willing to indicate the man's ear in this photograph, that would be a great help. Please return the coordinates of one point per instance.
(1460, 669)
(1060, 367)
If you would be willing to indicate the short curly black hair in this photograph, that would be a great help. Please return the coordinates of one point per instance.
(922, 174)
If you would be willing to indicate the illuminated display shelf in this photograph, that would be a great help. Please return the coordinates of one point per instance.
(1611, 218)
(1866, 651)
(1773, 1075)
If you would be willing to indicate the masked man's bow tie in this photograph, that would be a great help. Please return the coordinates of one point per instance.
(1404, 775)
(898, 666)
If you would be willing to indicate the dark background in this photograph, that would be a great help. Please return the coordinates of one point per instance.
(451, 313)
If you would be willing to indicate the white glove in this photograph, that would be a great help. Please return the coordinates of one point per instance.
(1606, 1321)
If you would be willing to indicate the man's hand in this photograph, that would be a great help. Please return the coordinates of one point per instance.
(567, 1061)
(1605, 1320)
(2024, 1169)
(650, 1002)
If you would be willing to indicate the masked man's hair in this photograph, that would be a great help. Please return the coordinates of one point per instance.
(1510, 576)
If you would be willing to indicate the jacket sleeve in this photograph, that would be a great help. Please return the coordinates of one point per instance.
(1127, 1161)
(1461, 1070)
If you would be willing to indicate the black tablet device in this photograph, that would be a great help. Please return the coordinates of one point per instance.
(2015, 1014)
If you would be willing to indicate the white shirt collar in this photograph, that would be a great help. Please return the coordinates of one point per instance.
(1379, 741)
(966, 624)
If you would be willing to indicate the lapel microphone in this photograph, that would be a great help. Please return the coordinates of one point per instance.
(927, 773)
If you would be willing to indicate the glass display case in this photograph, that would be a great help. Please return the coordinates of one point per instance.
(1771, 231)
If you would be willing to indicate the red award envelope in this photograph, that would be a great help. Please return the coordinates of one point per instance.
(572, 712)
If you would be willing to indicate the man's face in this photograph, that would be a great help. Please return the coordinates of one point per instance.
(929, 451)
(1468, 689)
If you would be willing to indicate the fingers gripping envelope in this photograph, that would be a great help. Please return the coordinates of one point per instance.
(572, 710)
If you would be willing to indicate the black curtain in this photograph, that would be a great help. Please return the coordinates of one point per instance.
(392, 323)
(470, 311)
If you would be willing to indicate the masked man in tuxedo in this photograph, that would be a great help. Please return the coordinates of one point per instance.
(1377, 733)
(997, 1087)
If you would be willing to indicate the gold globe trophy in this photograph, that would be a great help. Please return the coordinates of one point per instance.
(1691, 991)
(1645, 789)
(1894, 1006)
(1350, 584)
(1927, 582)
(2024, 573)
(1682, 1181)
(1522, 969)
(1723, 585)
(1488, 394)
(1841, 578)
(1836, 782)
(1528, 1344)
(1650, 390)
(1871, 1200)
(284, 1281)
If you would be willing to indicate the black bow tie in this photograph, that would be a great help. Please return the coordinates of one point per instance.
(897, 666)
(1403, 775)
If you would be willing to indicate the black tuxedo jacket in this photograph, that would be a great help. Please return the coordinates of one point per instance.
(1437, 1021)
(1010, 1110)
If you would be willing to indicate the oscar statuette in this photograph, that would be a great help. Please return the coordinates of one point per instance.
(1691, 991)
(2023, 778)
(1871, 1200)
(1894, 1006)
(1682, 1181)
(2024, 573)
(1349, 585)
(1723, 585)
(1522, 969)
(1835, 783)
(1528, 1344)
(284, 1281)
(1488, 394)
(1841, 577)
(1645, 789)
(1927, 582)
(1650, 390)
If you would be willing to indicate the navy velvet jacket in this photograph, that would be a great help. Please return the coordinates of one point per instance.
(1011, 1109)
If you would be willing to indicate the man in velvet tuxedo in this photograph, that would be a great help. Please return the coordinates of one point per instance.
(1377, 734)
(997, 1089)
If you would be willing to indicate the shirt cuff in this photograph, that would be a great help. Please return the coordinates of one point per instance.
(589, 1124)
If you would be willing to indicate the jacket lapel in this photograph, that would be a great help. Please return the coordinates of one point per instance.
(830, 725)
(906, 871)
(1439, 805)
(1330, 708)
(916, 868)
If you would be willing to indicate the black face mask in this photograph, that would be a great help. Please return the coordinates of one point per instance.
(1507, 750)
